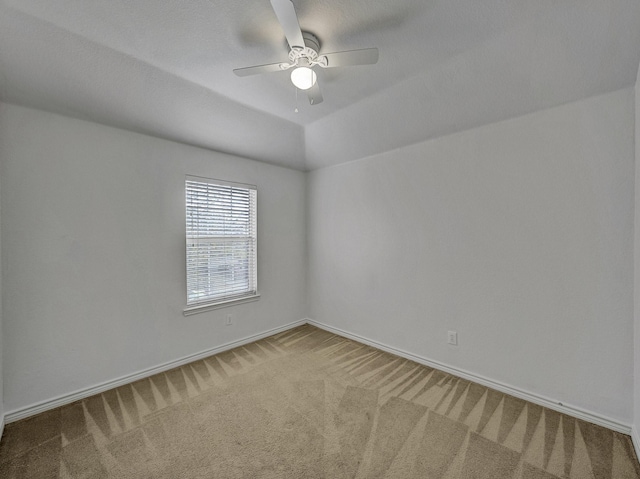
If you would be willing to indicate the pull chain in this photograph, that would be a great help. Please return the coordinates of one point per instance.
(296, 109)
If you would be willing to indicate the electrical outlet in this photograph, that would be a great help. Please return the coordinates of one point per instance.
(229, 320)
(452, 338)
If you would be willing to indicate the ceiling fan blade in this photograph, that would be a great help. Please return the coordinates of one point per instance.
(271, 67)
(368, 56)
(288, 19)
(314, 94)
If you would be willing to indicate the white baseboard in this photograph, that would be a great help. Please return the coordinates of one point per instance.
(573, 411)
(635, 438)
(37, 408)
(499, 386)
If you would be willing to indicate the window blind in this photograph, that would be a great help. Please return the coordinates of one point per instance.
(221, 241)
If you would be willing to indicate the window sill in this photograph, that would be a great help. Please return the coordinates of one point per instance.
(201, 308)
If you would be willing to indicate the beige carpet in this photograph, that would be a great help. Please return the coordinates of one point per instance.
(309, 404)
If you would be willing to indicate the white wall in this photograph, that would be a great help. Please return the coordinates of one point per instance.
(636, 335)
(2, 106)
(93, 249)
(518, 234)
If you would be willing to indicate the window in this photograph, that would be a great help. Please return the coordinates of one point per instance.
(221, 243)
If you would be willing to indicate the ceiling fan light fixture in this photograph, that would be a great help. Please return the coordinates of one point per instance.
(303, 54)
(303, 77)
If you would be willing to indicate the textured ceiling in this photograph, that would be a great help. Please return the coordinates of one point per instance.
(164, 68)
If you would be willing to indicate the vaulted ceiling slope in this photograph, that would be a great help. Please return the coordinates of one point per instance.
(164, 68)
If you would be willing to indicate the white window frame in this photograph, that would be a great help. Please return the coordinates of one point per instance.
(207, 290)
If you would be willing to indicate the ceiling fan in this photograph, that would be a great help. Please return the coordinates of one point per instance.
(304, 54)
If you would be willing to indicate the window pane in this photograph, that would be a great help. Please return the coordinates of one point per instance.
(221, 241)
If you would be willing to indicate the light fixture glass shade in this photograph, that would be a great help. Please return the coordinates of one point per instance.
(303, 78)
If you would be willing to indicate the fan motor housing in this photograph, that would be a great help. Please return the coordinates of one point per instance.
(311, 41)
(308, 54)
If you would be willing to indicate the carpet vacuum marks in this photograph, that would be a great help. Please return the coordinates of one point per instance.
(309, 404)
